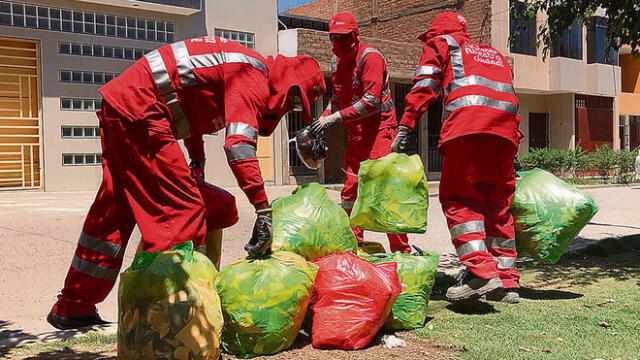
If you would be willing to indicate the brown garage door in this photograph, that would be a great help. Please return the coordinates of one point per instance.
(19, 114)
(594, 121)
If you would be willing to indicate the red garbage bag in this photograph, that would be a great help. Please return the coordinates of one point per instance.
(352, 299)
(220, 205)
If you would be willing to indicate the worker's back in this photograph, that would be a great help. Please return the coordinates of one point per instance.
(189, 80)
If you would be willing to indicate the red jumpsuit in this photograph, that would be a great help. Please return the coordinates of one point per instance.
(361, 93)
(183, 90)
(478, 143)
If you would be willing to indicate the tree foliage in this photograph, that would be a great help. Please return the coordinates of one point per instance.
(623, 19)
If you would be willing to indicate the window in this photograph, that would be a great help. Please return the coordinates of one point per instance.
(80, 159)
(83, 132)
(85, 22)
(523, 34)
(192, 4)
(85, 77)
(243, 38)
(67, 48)
(597, 43)
(569, 44)
(77, 104)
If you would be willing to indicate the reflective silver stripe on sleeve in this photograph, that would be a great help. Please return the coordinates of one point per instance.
(471, 247)
(94, 270)
(427, 70)
(160, 74)
(501, 243)
(481, 81)
(387, 106)
(242, 58)
(371, 99)
(183, 62)
(478, 100)
(364, 53)
(360, 108)
(168, 92)
(456, 57)
(242, 129)
(429, 83)
(347, 204)
(386, 90)
(506, 262)
(334, 64)
(467, 228)
(239, 152)
(100, 246)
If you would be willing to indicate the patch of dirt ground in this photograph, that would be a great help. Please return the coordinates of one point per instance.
(417, 348)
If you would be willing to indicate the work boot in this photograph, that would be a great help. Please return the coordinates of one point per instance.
(67, 322)
(471, 287)
(507, 296)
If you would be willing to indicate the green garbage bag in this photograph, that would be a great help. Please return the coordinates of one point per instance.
(264, 302)
(548, 214)
(417, 274)
(310, 224)
(168, 307)
(392, 195)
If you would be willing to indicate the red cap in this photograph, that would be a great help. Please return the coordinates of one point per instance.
(343, 23)
(285, 72)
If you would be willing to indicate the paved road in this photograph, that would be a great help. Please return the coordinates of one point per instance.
(38, 234)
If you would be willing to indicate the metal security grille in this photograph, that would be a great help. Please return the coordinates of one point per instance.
(19, 114)
(295, 123)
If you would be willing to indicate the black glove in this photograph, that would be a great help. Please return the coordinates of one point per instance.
(401, 142)
(324, 122)
(260, 243)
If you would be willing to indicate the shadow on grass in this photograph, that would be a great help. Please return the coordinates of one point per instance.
(69, 354)
(535, 294)
(472, 307)
(15, 338)
(617, 258)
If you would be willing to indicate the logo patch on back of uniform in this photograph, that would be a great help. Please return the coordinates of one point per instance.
(485, 55)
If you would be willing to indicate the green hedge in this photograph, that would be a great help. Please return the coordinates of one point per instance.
(605, 163)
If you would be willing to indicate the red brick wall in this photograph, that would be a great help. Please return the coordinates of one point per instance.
(402, 58)
(403, 20)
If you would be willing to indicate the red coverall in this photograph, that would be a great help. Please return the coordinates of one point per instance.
(478, 142)
(183, 90)
(361, 93)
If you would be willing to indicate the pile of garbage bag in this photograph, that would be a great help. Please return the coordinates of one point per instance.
(352, 299)
(310, 224)
(264, 302)
(417, 274)
(392, 195)
(548, 214)
(168, 307)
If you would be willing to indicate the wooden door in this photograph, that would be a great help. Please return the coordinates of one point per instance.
(538, 131)
(19, 114)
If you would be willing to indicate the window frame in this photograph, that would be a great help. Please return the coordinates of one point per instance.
(51, 18)
(228, 34)
(528, 31)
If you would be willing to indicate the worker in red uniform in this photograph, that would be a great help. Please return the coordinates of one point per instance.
(478, 142)
(362, 101)
(178, 91)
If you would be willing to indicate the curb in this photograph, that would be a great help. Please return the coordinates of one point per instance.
(604, 186)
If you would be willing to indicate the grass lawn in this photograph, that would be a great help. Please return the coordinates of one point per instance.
(585, 307)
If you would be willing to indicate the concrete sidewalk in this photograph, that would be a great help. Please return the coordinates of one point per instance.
(39, 231)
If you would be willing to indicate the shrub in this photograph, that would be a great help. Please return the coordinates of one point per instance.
(604, 161)
(560, 162)
(627, 165)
